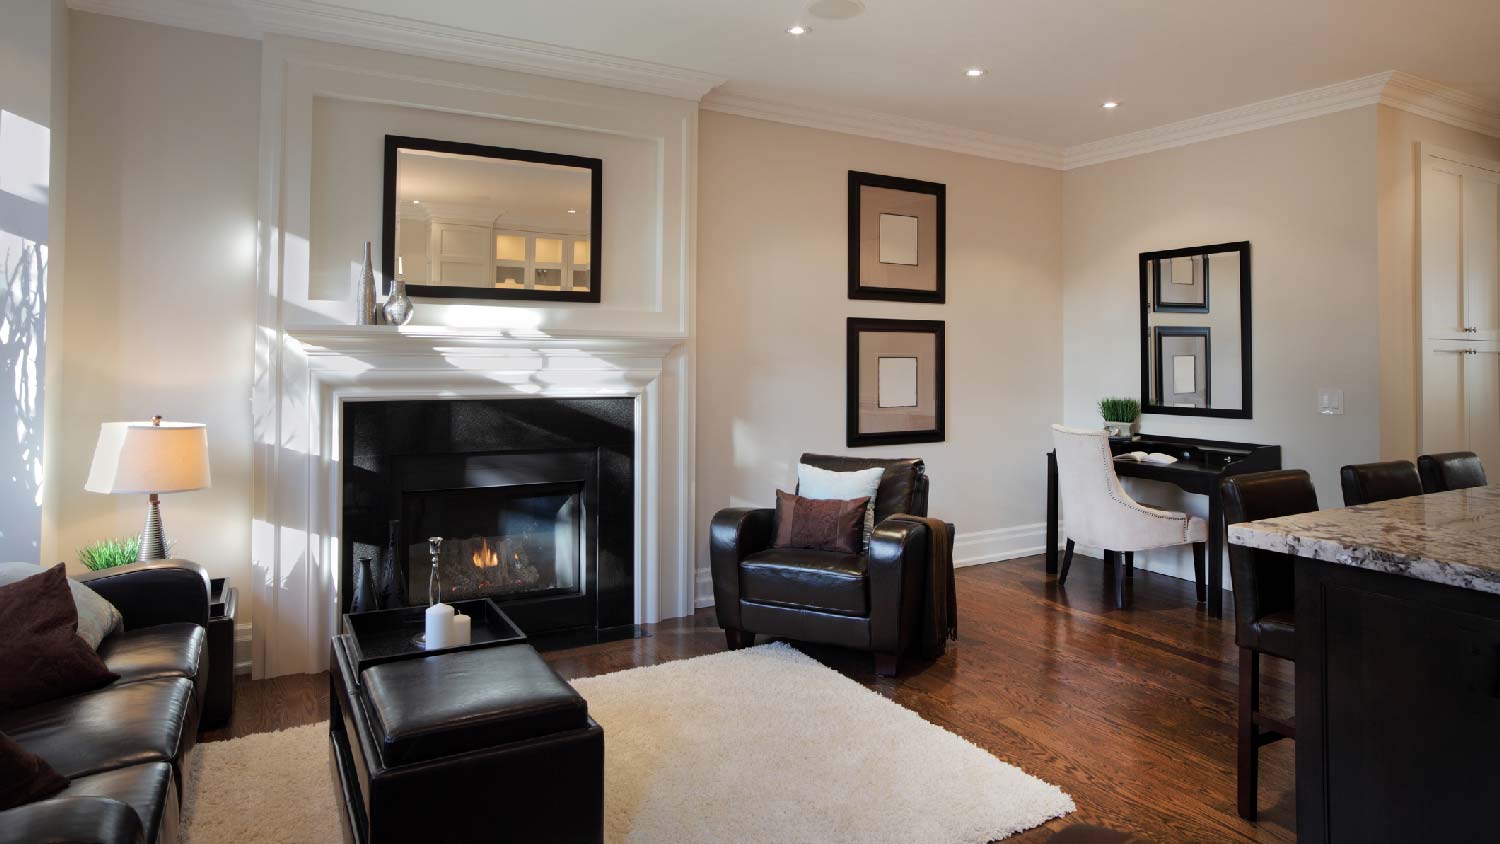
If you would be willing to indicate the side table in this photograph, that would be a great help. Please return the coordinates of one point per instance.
(218, 700)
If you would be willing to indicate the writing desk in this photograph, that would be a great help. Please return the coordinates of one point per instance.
(1200, 464)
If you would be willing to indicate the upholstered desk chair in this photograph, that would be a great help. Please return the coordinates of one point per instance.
(1098, 512)
(866, 601)
(1451, 470)
(1265, 619)
(1367, 483)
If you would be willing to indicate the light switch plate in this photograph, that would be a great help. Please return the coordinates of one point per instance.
(1331, 402)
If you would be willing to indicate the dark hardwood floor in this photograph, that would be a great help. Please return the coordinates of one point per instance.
(1130, 711)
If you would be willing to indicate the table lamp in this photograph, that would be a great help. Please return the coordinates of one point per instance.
(150, 458)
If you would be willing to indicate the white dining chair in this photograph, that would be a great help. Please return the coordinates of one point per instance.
(1098, 512)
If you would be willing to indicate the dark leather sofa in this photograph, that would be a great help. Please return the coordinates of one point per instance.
(863, 601)
(125, 746)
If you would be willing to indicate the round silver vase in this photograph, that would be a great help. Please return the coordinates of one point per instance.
(398, 306)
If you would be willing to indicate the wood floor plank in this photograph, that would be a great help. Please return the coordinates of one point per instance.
(1131, 711)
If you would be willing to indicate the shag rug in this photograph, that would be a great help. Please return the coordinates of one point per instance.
(758, 745)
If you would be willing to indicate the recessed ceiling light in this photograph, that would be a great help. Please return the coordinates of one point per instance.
(416, 202)
(572, 210)
(797, 29)
(974, 72)
(1111, 104)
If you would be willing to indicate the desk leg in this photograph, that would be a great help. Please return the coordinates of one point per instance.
(1051, 512)
(1215, 554)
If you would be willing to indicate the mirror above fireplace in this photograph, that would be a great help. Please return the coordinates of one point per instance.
(480, 222)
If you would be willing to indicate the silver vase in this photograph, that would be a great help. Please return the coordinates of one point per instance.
(364, 297)
(398, 306)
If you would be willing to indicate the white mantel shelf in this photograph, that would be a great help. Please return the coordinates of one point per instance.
(355, 340)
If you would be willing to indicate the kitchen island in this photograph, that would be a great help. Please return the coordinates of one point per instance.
(1398, 666)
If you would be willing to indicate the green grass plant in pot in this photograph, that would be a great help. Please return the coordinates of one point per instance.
(1122, 416)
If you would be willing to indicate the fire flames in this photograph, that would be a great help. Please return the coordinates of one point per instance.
(485, 557)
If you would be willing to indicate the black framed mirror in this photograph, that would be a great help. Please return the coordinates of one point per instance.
(1195, 331)
(467, 221)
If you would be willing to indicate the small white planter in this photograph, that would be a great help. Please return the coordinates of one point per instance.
(1125, 429)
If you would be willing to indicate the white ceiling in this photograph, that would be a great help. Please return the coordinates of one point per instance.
(1050, 63)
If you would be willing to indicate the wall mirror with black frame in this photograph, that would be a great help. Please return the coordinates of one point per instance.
(1195, 331)
(466, 221)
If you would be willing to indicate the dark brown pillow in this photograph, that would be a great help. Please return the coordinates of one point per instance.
(41, 654)
(25, 776)
(820, 524)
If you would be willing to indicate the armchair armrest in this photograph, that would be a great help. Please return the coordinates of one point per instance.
(72, 820)
(155, 592)
(898, 556)
(735, 533)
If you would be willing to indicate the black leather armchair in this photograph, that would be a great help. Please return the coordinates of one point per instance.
(124, 746)
(862, 601)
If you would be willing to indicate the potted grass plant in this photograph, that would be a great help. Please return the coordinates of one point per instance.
(108, 553)
(1122, 416)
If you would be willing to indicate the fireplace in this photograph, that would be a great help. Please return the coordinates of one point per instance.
(533, 499)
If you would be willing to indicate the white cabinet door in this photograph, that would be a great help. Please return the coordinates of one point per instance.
(1460, 243)
(1482, 397)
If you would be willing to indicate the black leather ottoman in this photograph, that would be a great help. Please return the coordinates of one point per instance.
(482, 745)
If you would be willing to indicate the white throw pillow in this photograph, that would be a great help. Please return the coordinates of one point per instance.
(824, 484)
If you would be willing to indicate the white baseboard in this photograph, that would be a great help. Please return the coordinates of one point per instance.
(987, 546)
(242, 648)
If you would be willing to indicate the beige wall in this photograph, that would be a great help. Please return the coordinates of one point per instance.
(160, 306)
(1399, 136)
(1303, 194)
(773, 299)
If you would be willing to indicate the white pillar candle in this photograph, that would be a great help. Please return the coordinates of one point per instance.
(439, 627)
(462, 629)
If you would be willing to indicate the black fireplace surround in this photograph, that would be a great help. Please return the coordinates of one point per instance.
(534, 497)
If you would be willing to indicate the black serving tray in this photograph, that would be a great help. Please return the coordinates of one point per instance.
(384, 636)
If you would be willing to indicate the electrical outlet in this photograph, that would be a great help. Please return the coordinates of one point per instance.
(1331, 402)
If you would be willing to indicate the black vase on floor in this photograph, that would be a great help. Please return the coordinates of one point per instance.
(364, 587)
(390, 585)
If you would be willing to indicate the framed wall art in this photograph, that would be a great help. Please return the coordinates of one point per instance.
(896, 381)
(1183, 373)
(897, 238)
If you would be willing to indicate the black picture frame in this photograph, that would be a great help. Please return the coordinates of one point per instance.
(395, 143)
(857, 326)
(1148, 403)
(857, 290)
(1208, 350)
(1177, 307)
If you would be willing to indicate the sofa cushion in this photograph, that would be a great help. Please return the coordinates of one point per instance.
(148, 789)
(452, 703)
(124, 724)
(41, 654)
(25, 776)
(72, 820)
(825, 525)
(97, 617)
(166, 650)
(800, 577)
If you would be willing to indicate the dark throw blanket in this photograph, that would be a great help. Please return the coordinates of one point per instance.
(937, 619)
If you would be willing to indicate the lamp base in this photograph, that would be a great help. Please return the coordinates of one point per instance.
(153, 541)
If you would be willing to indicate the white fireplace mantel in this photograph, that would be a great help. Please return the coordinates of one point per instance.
(296, 538)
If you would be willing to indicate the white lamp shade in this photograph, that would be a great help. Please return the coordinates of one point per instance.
(139, 457)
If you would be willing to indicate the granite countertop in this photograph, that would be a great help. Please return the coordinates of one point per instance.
(1447, 537)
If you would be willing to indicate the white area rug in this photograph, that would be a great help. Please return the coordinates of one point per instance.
(759, 745)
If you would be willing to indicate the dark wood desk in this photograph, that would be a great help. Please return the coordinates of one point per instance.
(1200, 464)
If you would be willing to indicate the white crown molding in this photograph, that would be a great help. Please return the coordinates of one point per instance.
(1435, 101)
(340, 25)
(888, 127)
(1247, 118)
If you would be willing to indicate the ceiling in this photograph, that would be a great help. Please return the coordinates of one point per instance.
(1050, 63)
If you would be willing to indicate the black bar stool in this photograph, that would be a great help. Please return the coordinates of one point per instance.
(1264, 608)
(1451, 470)
(1367, 483)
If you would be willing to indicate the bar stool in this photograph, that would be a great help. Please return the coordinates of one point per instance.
(1264, 608)
(1451, 470)
(1367, 483)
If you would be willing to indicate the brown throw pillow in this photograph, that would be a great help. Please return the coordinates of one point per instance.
(41, 654)
(820, 524)
(25, 776)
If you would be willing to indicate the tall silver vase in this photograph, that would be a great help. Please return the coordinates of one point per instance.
(398, 306)
(364, 297)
